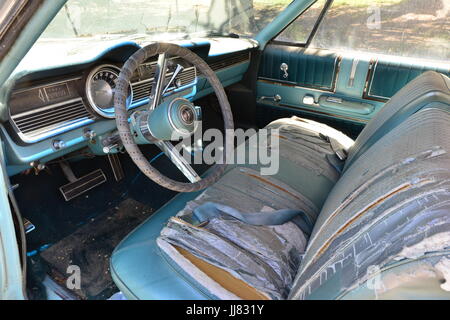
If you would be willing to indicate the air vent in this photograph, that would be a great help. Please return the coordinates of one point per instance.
(36, 123)
(230, 61)
(187, 76)
(141, 89)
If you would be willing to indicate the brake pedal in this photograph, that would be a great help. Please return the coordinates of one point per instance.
(78, 186)
(28, 226)
(116, 166)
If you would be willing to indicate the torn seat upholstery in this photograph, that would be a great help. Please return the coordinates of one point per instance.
(379, 208)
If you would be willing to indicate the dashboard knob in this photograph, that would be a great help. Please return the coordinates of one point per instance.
(89, 134)
(58, 144)
(110, 148)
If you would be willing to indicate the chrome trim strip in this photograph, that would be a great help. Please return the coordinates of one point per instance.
(59, 127)
(46, 107)
(279, 83)
(168, 74)
(295, 84)
(37, 124)
(171, 89)
(351, 80)
(70, 108)
(372, 75)
(54, 132)
(141, 81)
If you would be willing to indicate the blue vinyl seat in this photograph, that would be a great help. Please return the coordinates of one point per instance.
(383, 216)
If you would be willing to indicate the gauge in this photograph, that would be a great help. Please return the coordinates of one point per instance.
(100, 86)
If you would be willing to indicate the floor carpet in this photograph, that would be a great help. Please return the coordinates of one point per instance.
(90, 248)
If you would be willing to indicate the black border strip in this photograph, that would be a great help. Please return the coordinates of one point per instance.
(367, 87)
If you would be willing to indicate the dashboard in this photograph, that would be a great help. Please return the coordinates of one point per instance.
(49, 111)
(40, 111)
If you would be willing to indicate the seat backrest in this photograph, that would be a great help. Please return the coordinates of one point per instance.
(420, 93)
(388, 213)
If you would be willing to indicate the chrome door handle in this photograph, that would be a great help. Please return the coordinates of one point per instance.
(284, 67)
(351, 80)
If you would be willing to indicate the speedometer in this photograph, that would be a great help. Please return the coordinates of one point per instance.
(100, 86)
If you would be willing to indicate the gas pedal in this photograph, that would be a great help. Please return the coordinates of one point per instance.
(81, 185)
(116, 166)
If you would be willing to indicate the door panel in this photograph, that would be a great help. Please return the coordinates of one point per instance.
(320, 82)
(344, 86)
(306, 68)
(387, 76)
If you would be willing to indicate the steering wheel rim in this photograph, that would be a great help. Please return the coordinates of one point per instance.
(123, 125)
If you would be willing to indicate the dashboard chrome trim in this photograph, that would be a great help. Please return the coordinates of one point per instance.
(63, 126)
(60, 127)
(55, 132)
(17, 115)
(50, 84)
(74, 124)
(170, 90)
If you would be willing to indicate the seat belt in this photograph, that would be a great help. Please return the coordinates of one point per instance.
(340, 153)
(337, 148)
(209, 210)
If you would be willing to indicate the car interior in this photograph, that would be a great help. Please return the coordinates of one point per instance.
(364, 164)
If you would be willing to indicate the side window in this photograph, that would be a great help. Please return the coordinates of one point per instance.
(408, 28)
(298, 31)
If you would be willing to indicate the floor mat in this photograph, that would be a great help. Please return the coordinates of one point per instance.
(90, 248)
(41, 202)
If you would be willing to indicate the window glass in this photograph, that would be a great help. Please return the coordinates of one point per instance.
(299, 30)
(410, 28)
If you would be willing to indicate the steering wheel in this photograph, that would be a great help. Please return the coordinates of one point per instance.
(165, 117)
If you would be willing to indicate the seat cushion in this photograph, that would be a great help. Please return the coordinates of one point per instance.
(304, 179)
(310, 145)
(142, 271)
(390, 208)
(272, 252)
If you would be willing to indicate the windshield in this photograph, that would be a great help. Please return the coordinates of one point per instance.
(162, 19)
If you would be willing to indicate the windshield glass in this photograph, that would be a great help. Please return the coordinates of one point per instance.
(162, 19)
